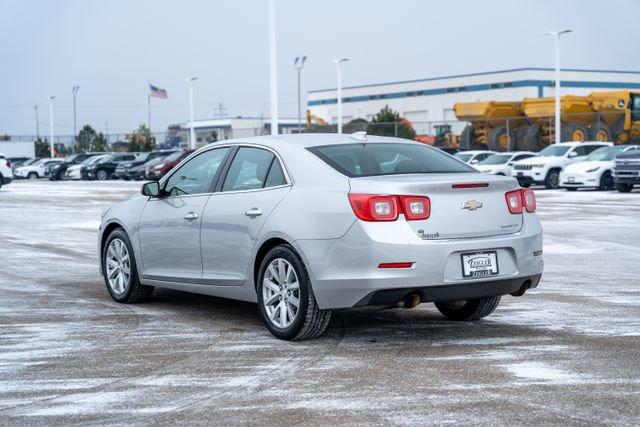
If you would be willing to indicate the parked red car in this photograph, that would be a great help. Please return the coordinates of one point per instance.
(156, 171)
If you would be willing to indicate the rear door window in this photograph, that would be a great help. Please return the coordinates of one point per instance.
(372, 159)
(248, 170)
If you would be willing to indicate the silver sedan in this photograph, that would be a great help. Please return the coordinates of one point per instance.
(303, 224)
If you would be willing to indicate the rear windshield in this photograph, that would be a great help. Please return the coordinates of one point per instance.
(355, 160)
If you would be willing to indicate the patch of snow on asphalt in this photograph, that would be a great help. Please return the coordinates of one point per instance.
(539, 371)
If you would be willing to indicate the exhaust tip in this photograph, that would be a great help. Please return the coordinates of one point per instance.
(411, 300)
(526, 285)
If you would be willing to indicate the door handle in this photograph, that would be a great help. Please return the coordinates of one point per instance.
(190, 216)
(253, 212)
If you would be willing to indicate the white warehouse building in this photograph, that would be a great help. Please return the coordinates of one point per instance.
(428, 102)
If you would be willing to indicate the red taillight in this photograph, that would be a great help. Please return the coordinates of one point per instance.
(529, 200)
(415, 207)
(514, 201)
(369, 207)
(8, 163)
(373, 207)
(520, 200)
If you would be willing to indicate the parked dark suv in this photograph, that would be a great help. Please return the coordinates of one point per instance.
(626, 170)
(104, 168)
(122, 172)
(56, 171)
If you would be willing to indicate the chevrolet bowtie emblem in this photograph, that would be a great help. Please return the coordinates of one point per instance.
(472, 205)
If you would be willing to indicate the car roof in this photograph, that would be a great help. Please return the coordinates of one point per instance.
(572, 143)
(476, 152)
(306, 140)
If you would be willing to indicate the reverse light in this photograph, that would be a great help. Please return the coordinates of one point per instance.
(529, 200)
(372, 207)
(520, 200)
(369, 207)
(415, 207)
(514, 201)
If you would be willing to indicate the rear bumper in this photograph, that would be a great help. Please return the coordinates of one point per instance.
(6, 180)
(458, 291)
(576, 180)
(345, 272)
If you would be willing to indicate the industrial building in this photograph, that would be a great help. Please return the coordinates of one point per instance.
(428, 102)
(218, 129)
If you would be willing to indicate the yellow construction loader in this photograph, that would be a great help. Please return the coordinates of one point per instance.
(529, 125)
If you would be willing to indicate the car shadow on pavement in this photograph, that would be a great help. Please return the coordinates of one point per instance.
(420, 325)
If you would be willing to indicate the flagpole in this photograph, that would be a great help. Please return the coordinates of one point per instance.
(149, 111)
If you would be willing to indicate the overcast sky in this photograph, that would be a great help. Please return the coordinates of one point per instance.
(113, 48)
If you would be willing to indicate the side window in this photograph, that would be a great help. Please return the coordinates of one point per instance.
(482, 156)
(590, 148)
(583, 150)
(249, 169)
(195, 176)
(275, 176)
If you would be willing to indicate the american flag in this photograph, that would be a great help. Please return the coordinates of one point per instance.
(156, 92)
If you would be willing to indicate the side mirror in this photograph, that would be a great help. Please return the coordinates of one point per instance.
(573, 154)
(151, 189)
(474, 162)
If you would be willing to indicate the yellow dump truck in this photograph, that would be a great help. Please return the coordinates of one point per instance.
(529, 125)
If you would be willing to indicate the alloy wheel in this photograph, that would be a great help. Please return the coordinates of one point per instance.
(118, 266)
(281, 293)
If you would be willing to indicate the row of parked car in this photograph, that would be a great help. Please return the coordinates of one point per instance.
(151, 165)
(570, 165)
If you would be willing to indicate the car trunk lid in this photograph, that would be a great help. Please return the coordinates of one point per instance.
(462, 205)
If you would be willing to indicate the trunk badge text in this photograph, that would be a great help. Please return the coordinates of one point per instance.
(472, 205)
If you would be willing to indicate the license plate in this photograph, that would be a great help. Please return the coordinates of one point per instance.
(520, 174)
(571, 179)
(479, 264)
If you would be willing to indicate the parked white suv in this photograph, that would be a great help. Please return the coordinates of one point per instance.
(35, 170)
(6, 175)
(501, 163)
(545, 168)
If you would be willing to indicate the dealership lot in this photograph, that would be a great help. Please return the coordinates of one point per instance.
(568, 351)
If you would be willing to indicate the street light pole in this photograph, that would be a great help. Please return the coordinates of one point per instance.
(273, 68)
(192, 134)
(299, 63)
(74, 91)
(35, 107)
(51, 98)
(556, 35)
(338, 63)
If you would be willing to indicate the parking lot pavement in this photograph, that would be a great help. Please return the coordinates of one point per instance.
(567, 352)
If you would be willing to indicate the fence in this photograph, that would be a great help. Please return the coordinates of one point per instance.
(576, 126)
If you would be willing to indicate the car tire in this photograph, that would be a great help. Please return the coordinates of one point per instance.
(606, 182)
(552, 181)
(280, 268)
(468, 310)
(32, 175)
(123, 288)
(624, 188)
(102, 175)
